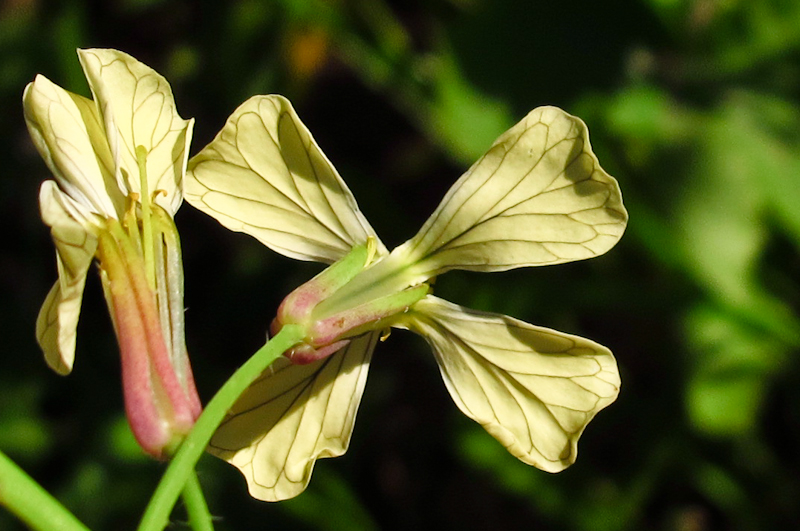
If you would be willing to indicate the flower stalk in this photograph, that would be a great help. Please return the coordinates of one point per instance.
(181, 466)
(31, 503)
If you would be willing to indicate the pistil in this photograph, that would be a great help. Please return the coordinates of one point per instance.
(147, 227)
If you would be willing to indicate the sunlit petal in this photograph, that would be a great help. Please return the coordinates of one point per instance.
(531, 388)
(266, 176)
(538, 196)
(138, 109)
(69, 135)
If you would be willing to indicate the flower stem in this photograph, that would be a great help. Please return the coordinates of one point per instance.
(25, 498)
(196, 507)
(156, 516)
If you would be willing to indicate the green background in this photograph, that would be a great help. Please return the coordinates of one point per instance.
(693, 105)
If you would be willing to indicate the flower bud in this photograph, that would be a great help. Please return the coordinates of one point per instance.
(330, 318)
(161, 400)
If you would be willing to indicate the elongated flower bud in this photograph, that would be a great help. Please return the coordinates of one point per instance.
(161, 401)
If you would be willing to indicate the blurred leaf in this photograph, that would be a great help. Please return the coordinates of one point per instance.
(722, 223)
(462, 119)
(327, 491)
(732, 364)
(726, 493)
(483, 452)
(774, 145)
(23, 433)
(604, 505)
(121, 442)
(647, 116)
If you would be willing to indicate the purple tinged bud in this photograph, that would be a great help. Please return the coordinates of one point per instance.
(330, 325)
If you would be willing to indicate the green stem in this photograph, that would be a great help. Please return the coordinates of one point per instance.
(156, 516)
(196, 507)
(25, 498)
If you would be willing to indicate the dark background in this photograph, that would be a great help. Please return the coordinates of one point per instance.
(693, 105)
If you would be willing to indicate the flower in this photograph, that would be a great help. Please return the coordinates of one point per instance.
(119, 163)
(537, 197)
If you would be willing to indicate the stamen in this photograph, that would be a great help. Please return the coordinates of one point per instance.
(169, 288)
(372, 249)
(129, 220)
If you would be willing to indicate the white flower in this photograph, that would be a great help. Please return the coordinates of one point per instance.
(118, 162)
(537, 197)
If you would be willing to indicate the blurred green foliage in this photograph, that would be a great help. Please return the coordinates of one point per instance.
(694, 105)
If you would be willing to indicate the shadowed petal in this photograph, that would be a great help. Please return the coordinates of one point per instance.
(75, 249)
(292, 416)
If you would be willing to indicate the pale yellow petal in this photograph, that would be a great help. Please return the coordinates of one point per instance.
(75, 249)
(68, 133)
(264, 175)
(138, 109)
(538, 196)
(292, 416)
(531, 388)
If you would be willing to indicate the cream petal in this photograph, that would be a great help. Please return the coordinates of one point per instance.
(68, 133)
(75, 249)
(531, 388)
(538, 196)
(266, 176)
(292, 416)
(138, 109)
